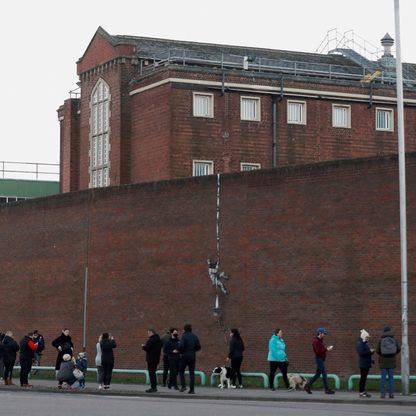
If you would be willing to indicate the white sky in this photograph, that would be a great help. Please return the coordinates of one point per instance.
(42, 40)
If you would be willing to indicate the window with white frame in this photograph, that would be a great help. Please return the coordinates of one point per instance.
(244, 167)
(384, 119)
(341, 116)
(250, 108)
(296, 112)
(203, 105)
(202, 167)
(99, 136)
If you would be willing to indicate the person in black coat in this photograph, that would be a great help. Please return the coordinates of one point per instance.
(152, 347)
(235, 354)
(171, 349)
(10, 348)
(188, 347)
(64, 346)
(2, 335)
(27, 354)
(365, 360)
(107, 345)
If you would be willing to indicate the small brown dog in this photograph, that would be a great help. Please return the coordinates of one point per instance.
(296, 381)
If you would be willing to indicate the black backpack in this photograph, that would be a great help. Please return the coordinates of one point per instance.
(388, 346)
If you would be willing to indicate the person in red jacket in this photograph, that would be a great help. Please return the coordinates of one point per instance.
(320, 350)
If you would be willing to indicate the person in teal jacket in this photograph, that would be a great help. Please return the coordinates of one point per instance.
(277, 358)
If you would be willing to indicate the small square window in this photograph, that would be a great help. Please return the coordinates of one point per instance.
(341, 116)
(244, 167)
(296, 112)
(202, 167)
(384, 119)
(203, 105)
(250, 109)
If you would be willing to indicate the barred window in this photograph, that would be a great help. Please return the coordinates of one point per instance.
(99, 136)
(244, 167)
(384, 119)
(203, 105)
(250, 109)
(341, 116)
(202, 167)
(296, 112)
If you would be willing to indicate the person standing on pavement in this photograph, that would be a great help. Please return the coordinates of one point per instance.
(188, 347)
(235, 355)
(27, 355)
(165, 339)
(64, 345)
(387, 349)
(172, 351)
(98, 363)
(1, 356)
(107, 346)
(10, 349)
(38, 338)
(152, 347)
(277, 358)
(320, 350)
(365, 360)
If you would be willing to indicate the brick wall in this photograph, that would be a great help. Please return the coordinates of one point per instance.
(306, 246)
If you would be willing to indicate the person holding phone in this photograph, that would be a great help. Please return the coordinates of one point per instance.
(320, 350)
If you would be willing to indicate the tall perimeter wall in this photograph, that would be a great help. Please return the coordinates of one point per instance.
(305, 246)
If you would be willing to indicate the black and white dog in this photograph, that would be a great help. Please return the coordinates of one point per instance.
(225, 374)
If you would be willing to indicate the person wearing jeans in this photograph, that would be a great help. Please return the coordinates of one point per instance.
(320, 350)
(387, 349)
(277, 358)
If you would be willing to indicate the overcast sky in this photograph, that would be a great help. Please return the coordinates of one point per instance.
(42, 40)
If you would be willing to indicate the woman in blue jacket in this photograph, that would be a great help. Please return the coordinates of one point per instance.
(277, 358)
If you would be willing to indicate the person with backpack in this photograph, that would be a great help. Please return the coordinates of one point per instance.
(38, 338)
(387, 349)
(365, 360)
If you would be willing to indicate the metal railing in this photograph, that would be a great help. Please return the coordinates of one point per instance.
(373, 377)
(334, 377)
(29, 170)
(263, 376)
(185, 57)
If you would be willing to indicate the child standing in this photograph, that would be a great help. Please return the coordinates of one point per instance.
(82, 364)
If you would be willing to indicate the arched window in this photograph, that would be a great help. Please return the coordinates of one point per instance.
(100, 136)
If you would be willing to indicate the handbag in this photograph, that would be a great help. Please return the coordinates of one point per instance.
(78, 374)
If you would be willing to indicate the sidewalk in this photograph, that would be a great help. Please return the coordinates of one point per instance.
(214, 393)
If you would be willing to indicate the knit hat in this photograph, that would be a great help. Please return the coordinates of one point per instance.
(364, 335)
(321, 330)
(66, 357)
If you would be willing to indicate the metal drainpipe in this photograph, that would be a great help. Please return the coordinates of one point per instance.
(274, 131)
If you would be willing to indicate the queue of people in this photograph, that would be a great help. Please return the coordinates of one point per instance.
(179, 354)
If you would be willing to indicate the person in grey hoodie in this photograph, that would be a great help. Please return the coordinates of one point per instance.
(387, 349)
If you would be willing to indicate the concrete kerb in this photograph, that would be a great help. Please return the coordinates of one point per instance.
(212, 393)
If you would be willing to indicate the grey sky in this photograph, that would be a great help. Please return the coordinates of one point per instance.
(42, 40)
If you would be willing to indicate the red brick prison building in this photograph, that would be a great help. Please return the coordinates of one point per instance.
(157, 109)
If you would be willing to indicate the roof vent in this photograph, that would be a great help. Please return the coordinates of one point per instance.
(387, 42)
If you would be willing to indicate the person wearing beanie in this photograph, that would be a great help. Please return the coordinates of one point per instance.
(320, 350)
(65, 373)
(387, 349)
(364, 360)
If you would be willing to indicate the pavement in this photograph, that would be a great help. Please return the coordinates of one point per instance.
(215, 393)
